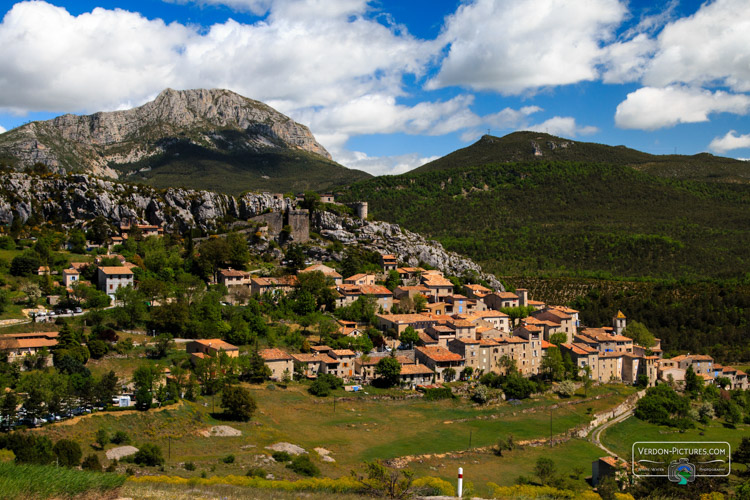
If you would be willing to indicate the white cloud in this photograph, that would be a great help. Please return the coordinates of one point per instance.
(258, 7)
(564, 126)
(516, 46)
(729, 142)
(627, 61)
(383, 165)
(705, 49)
(2, 129)
(651, 108)
(54, 61)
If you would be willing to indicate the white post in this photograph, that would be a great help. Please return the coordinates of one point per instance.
(460, 482)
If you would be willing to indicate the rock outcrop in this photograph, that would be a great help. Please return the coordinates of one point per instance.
(216, 119)
(74, 199)
(392, 239)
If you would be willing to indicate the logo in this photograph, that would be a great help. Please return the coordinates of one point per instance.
(681, 471)
(681, 461)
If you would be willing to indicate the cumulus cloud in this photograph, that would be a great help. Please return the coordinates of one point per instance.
(650, 108)
(565, 126)
(704, 49)
(516, 46)
(2, 129)
(54, 61)
(384, 165)
(729, 142)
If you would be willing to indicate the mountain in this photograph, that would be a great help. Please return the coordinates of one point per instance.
(571, 218)
(208, 139)
(540, 147)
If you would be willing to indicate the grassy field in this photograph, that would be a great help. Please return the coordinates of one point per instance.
(360, 429)
(481, 467)
(620, 437)
(224, 492)
(36, 481)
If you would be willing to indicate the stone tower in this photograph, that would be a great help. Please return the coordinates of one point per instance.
(299, 221)
(619, 323)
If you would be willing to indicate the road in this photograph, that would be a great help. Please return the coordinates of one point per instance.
(596, 434)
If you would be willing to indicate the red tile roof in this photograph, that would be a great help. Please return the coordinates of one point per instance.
(439, 353)
(274, 355)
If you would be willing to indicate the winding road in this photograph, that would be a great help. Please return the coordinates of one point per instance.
(596, 434)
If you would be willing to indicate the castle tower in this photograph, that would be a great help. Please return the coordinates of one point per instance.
(523, 297)
(619, 323)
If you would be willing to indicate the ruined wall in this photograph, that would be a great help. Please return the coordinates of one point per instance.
(299, 221)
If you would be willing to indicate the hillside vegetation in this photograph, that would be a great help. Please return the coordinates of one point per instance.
(569, 218)
(540, 147)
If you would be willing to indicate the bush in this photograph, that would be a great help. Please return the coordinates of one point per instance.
(256, 472)
(92, 463)
(229, 459)
(319, 388)
(238, 403)
(120, 437)
(68, 453)
(97, 348)
(303, 465)
(281, 456)
(439, 393)
(189, 466)
(480, 394)
(149, 454)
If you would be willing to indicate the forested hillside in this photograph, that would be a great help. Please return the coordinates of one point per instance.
(572, 219)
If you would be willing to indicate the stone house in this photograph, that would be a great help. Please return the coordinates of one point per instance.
(415, 374)
(280, 363)
(202, 348)
(327, 271)
(70, 277)
(399, 322)
(112, 278)
(439, 359)
(274, 286)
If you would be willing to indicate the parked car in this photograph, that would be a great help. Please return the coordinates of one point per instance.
(78, 310)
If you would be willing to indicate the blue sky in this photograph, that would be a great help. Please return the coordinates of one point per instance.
(388, 85)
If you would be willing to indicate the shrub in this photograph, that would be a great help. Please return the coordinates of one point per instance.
(92, 463)
(68, 453)
(256, 472)
(229, 459)
(238, 403)
(480, 394)
(439, 393)
(281, 456)
(189, 466)
(102, 438)
(303, 465)
(149, 454)
(433, 486)
(319, 388)
(120, 437)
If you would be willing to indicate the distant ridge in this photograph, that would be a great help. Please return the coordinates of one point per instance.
(537, 146)
(203, 138)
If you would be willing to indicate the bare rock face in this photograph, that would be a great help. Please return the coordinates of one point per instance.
(93, 143)
(408, 247)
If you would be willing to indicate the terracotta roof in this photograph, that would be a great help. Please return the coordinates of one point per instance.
(232, 273)
(489, 314)
(388, 256)
(415, 369)
(344, 352)
(507, 295)
(282, 281)
(443, 329)
(426, 338)
(375, 290)
(461, 323)
(478, 288)
(357, 277)
(320, 348)
(79, 265)
(32, 335)
(72, 272)
(328, 271)
(274, 355)
(13, 343)
(405, 318)
(487, 342)
(545, 344)
(438, 353)
(314, 358)
(115, 270)
(217, 344)
(466, 341)
(620, 315)
(432, 281)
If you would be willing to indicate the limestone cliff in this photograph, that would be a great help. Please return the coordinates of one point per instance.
(97, 143)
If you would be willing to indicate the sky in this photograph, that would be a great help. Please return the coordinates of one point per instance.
(387, 85)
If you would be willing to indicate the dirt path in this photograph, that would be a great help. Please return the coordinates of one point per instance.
(75, 420)
(596, 434)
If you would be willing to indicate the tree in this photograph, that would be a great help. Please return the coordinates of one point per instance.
(91, 462)
(420, 303)
(25, 264)
(552, 364)
(238, 252)
(640, 334)
(389, 370)
(544, 469)
(504, 444)
(409, 337)
(295, 257)
(733, 415)
(107, 388)
(693, 383)
(149, 454)
(386, 482)
(102, 438)
(253, 369)
(449, 374)
(480, 394)
(97, 348)
(162, 344)
(393, 280)
(68, 453)
(558, 338)
(566, 388)
(8, 409)
(238, 404)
